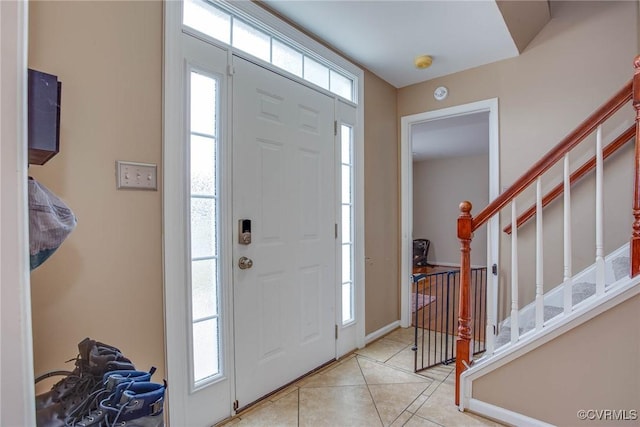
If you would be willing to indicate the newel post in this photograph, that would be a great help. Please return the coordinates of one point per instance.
(463, 348)
(635, 235)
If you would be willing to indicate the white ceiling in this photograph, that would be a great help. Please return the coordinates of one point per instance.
(386, 36)
(465, 135)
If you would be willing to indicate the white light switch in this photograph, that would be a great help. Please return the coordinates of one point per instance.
(138, 176)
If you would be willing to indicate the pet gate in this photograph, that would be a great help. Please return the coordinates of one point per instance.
(435, 299)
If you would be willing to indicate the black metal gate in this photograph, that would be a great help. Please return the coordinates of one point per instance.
(435, 298)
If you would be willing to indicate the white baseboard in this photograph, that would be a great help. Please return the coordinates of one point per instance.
(381, 332)
(504, 415)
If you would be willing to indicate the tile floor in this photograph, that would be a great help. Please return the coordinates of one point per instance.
(374, 386)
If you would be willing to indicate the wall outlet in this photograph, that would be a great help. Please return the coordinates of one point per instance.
(137, 176)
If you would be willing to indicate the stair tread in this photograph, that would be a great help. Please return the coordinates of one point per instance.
(580, 291)
(621, 266)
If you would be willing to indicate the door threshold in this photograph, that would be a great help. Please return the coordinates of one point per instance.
(279, 389)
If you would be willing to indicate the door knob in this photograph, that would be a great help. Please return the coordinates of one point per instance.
(245, 263)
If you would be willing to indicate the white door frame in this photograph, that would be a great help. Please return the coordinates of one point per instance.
(406, 184)
(16, 361)
(350, 336)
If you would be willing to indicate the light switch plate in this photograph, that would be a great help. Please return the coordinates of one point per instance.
(136, 176)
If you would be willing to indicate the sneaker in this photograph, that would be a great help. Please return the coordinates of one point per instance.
(91, 355)
(89, 413)
(135, 404)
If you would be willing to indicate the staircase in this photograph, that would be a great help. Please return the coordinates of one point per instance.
(609, 281)
(583, 287)
(585, 306)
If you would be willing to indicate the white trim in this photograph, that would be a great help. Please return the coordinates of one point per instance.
(174, 246)
(16, 359)
(350, 335)
(226, 186)
(187, 54)
(248, 15)
(406, 191)
(381, 332)
(276, 69)
(261, 15)
(504, 415)
(359, 277)
(553, 329)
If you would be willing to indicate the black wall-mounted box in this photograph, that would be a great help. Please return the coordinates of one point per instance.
(43, 116)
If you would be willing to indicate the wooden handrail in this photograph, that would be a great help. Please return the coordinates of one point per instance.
(467, 224)
(555, 154)
(577, 175)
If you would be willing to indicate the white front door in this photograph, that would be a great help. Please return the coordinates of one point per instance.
(284, 190)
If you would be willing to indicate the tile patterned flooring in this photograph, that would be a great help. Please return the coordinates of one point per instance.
(374, 386)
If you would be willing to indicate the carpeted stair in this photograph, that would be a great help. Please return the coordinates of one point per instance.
(580, 292)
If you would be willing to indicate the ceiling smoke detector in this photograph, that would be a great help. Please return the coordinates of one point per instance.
(440, 93)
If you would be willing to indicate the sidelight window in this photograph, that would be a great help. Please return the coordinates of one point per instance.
(346, 180)
(204, 228)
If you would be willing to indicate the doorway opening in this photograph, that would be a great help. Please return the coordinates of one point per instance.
(481, 115)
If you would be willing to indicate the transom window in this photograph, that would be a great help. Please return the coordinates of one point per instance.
(218, 21)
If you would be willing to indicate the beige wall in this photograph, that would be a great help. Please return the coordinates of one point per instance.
(543, 94)
(579, 60)
(524, 19)
(382, 201)
(105, 281)
(594, 366)
(438, 188)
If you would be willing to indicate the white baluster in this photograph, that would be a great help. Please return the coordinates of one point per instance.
(568, 282)
(599, 215)
(539, 258)
(490, 332)
(515, 328)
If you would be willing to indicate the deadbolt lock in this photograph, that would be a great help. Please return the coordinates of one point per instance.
(245, 238)
(244, 231)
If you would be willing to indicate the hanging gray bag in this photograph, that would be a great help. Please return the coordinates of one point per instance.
(50, 222)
